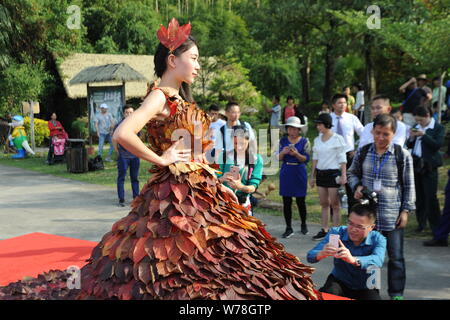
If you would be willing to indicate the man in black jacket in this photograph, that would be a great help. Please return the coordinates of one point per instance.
(426, 138)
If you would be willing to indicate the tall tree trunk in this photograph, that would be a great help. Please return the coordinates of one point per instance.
(370, 87)
(305, 73)
(330, 63)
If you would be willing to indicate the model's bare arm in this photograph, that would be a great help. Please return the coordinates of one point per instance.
(126, 133)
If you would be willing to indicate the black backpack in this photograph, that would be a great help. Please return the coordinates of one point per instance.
(399, 159)
(96, 164)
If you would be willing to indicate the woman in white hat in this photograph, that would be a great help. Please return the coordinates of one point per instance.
(293, 176)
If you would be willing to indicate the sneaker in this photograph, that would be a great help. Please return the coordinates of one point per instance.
(397, 298)
(436, 243)
(108, 159)
(320, 235)
(288, 233)
(304, 229)
(121, 203)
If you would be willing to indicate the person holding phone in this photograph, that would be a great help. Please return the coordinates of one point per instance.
(293, 177)
(356, 248)
(243, 172)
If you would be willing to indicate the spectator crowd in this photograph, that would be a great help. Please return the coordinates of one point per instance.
(381, 171)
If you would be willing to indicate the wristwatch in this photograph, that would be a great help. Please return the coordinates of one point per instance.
(357, 262)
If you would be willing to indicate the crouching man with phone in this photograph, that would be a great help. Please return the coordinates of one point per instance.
(358, 253)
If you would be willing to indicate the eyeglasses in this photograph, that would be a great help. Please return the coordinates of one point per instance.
(357, 226)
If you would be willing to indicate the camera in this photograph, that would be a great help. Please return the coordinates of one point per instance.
(242, 198)
(369, 197)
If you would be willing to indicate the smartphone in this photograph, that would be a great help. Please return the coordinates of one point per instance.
(334, 240)
(234, 171)
(338, 179)
(291, 145)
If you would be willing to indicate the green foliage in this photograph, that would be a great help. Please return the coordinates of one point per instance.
(231, 83)
(21, 82)
(268, 44)
(80, 125)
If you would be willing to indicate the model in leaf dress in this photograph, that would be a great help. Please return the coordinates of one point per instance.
(186, 236)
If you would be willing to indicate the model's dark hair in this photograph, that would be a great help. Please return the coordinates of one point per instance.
(290, 98)
(277, 98)
(364, 210)
(338, 96)
(160, 61)
(422, 111)
(385, 120)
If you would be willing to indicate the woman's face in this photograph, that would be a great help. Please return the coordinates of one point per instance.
(320, 127)
(187, 66)
(53, 116)
(290, 101)
(240, 144)
(293, 132)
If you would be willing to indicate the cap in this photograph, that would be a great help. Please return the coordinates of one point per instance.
(294, 122)
(17, 118)
(422, 77)
(324, 118)
(104, 106)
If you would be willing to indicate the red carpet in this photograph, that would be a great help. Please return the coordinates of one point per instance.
(35, 253)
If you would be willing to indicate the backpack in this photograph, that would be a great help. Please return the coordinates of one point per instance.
(399, 159)
(96, 164)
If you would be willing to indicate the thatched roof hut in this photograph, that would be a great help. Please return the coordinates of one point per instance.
(75, 63)
(108, 72)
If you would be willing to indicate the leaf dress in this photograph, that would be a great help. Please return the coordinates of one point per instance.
(184, 238)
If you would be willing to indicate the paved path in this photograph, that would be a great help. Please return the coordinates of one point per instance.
(35, 202)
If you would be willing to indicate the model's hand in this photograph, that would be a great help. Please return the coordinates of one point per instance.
(358, 194)
(312, 182)
(173, 155)
(230, 193)
(402, 220)
(343, 179)
(344, 254)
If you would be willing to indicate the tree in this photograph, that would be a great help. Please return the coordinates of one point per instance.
(22, 82)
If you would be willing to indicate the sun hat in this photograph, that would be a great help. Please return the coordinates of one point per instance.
(294, 122)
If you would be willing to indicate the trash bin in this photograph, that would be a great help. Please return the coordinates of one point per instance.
(77, 160)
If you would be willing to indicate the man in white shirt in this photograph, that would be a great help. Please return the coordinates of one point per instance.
(382, 105)
(346, 125)
(224, 134)
(216, 117)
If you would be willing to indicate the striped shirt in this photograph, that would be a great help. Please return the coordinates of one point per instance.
(393, 197)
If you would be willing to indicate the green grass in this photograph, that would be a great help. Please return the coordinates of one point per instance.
(108, 178)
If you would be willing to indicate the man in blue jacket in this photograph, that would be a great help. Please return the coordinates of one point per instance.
(357, 258)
